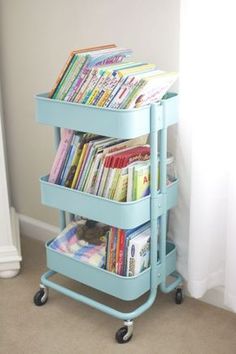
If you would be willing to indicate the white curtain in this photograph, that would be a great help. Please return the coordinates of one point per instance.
(204, 223)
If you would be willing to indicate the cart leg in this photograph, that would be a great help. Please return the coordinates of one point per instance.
(125, 333)
(41, 296)
(179, 296)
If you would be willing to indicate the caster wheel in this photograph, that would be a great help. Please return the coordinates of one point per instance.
(179, 296)
(40, 298)
(121, 335)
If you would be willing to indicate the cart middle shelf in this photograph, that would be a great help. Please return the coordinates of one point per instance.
(124, 215)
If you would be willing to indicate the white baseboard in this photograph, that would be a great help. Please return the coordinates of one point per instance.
(37, 229)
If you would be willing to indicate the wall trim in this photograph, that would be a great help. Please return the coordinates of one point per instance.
(37, 229)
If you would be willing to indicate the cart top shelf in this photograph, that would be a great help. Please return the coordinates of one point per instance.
(117, 123)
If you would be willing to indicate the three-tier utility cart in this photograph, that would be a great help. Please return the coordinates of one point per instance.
(127, 124)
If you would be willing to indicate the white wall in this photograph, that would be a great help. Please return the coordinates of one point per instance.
(36, 37)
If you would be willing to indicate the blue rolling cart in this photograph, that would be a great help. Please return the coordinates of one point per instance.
(127, 124)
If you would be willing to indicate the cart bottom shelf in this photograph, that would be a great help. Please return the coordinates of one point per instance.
(125, 288)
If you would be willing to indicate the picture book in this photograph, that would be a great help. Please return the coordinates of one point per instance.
(94, 146)
(113, 77)
(124, 75)
(74, 163)
(74, 145)
(102, 173)
(61, 154)
(69, 77)
(141, 181)
(151, 89)
(86, 138)
(138, 253)
(68, 62)
(93, 78)
(130, 234)
(95, 160)
(131, 77)
(120, 191)
(102, 57)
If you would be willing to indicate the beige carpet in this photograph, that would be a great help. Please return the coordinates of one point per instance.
(65, 326)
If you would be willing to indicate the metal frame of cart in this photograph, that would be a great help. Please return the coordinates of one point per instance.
(155, 120)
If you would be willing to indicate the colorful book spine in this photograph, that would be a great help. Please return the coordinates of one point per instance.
(124, 91)
(61, 154)
(78, 82)
(60, 76)
(68, 62)
(74, 182)
(97, 74)
(72, 77)
(64, 78)
(73, 148)
(98, 88)
(115, 92)
(121, 252)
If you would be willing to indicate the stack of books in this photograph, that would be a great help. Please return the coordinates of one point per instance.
(100, 165)
(127, 251)
(100, 76)
(108, 167)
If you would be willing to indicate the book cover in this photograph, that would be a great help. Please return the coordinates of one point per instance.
(138, 253)
(129, 234)
(68, 62)
(141, 187)
(131, 78)
(61, 154)
(120, 191)
(152, 90)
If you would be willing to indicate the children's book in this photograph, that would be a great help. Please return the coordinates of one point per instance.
(102, 173)
(120, 192)
(74, 145)
(121, 159)
(124, 78)
(113, 77)
(102, 57)
(61, 154)
(138, 253)
(151, 89)
(69, 62)
(95, 160)
(83, 147)
(141, 181)
(131, 79)
(68, 79)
